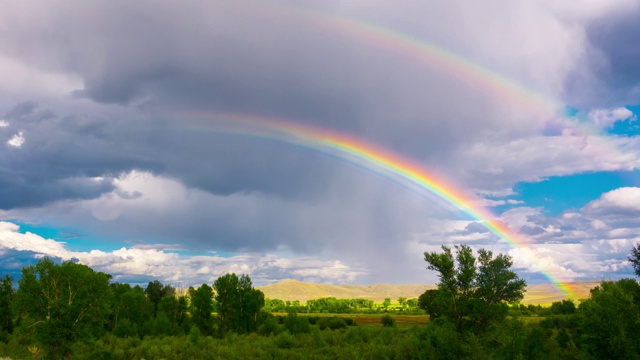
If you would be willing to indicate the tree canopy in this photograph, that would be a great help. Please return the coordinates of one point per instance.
(634, 258)
(472, 291)
(65, 301)
(6, 299)
(238, 303)
(202, 307)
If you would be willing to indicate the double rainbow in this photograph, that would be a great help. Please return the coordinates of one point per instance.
(374, 158)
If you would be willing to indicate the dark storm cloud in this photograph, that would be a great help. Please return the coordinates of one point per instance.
(612, 59)
(62, 158)
(22, 109)
(232, 59)
(139, 62)
(617, 39)
(15, 194)
(256, 59)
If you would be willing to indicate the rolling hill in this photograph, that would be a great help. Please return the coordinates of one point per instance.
(292, 290)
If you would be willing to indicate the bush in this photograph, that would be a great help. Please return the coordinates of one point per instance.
(194, 335)
(323, 323)
(269, 326)
(296, 324)
(337, 323)
(388, 321)
(285, 340)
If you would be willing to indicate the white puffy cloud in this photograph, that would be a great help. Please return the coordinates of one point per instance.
(140, 264)
(4, 123)
(16, 140)
(625, 199)
(529, 159)
(605, 118)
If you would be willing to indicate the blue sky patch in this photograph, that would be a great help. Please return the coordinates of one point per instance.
(560, 193)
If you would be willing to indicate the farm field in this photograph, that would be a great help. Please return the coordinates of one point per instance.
(401, 320)
(375, 319)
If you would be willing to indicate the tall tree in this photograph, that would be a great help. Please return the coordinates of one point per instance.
(156, 291)
(471, 291)
(66, 302)
(202, 307)
(7, 294)
(634, 258)
(238, 302)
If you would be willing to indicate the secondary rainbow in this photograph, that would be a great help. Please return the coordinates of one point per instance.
(371, 157)
(494, 85)
(497, 86)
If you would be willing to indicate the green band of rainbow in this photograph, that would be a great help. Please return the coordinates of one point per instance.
(374, 158)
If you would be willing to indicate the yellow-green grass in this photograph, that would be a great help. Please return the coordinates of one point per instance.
(543, 294)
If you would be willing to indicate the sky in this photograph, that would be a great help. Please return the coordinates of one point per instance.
(178, 141)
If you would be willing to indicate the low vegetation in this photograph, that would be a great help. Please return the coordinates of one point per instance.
(67, 310)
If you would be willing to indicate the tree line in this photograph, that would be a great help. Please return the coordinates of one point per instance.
(67, 309)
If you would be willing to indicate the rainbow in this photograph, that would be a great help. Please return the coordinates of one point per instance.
(491, 83)
(370, 157)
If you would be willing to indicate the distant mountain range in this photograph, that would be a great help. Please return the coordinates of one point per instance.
(543, 294)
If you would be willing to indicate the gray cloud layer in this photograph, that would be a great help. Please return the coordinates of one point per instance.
(129, 74)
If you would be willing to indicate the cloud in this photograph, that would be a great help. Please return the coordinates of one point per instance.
(613, 78)
(16, 140)
(145, 264)
(165, 210)
(4, 123)
(604, 119)
(625, 200)
(121, 140)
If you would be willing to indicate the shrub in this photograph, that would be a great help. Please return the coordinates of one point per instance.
(388, 321)
(270, 326)
(337, 323)
(285, 340)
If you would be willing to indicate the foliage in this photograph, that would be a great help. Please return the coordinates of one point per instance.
(564, 307)
(123, 325)
(202, 307)
(610, 320)
(131, 309)
(386, 303)
(156, 291)
(634, 258)
(66, 302)
(402, 301)
(296, 324)
(387, 321)
(238, 302)
(7, 295)
(471, 292)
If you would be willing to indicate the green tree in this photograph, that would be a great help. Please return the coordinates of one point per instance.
(156, 291)
(402, 301)
(610, 320)
(435, 302)
(238, 302)
(412, 303)
(472, 290)
(7, 294)
(202, 307)
(175, 308)
(564, 307)
(634, 258)
(66, 302)
(386, 303)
